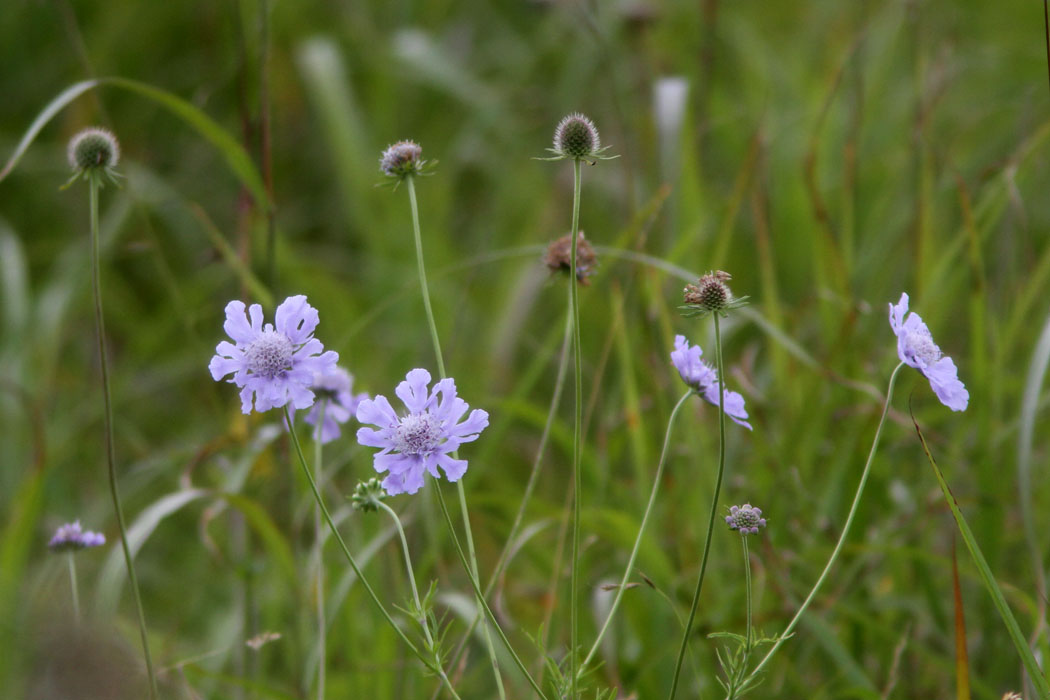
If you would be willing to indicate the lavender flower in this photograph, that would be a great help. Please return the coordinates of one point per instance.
(276, 365)
(421, 440)
(334, 385)
(703, 378)
(71, 537)
(746, 518)
(916, 349)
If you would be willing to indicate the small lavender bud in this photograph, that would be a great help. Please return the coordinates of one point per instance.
(710, 293)
(402, 159)
(558, 257)
(576, 137)
(367, 495)
(746, 518)
(93, 149)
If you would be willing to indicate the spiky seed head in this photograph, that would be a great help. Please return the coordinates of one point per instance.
(746, 518)
(710, 293)
(558, 257)
(576, 137)
(402, 159)
(93, 149)
(367, 495)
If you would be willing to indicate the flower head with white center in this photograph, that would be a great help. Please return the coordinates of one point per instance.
(421, 440)
(72, 537)
(274, 364)
(746, 518)
(916, 348)
(703, 378)
(335, 388)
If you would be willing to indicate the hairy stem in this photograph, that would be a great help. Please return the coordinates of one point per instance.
(842, 538)
(577, 429)
(714, 508)
(641, 531)
(73, 586)
(94, 181)
(410, 183)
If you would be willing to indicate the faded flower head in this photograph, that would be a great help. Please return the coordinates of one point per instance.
(710, 294)
(334, 387)
(703, 378)
(93, 151)
(70, 537)
(420, 440)
(275, 364)
(916, 348)
(367, 495)
(746, 518)
(402, 159)
(558, 257)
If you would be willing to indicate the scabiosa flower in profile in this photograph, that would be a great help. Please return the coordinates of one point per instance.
(71, 537)
(335, 385)
(275, 364)
(710, 294)
(94, 152)
(421, 440)
(703, 378)
(916, 348)
(746, 518)
(558, 257)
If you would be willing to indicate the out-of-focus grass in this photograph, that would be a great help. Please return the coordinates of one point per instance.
(832, 155)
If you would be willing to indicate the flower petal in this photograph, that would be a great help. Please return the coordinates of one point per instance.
(236, 325)
(413, 391)
(453, 468)
(296, 319)
(377, 411)
(897, 312)
(944, 380)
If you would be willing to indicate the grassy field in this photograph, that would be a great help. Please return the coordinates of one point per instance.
(830, 155)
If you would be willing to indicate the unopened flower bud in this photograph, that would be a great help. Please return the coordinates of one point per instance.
(367, 495)
(402, 159)
(93, 149)
(576, 137)
(746, 518)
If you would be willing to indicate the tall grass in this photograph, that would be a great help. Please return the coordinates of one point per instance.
(832, 155)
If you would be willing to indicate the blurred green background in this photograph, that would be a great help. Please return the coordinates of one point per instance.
(828, 154)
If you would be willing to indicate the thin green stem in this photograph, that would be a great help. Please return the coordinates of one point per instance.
(530, 486)
(432, 324)
(714, 509)
(346, 550)
(73, 586)
(577, 430)
(481, 599)
(322, 625)
(747, 590)
(641, 531)
(423, 621)
(842, 538)
(96, 266)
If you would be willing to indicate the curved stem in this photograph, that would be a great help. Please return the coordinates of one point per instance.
(73, 586)
(842, 538)
(577, 429)
(346, 550)
(747, 636)
(714, 508)
(481, 600)
(322, 624)
(111, 460)
(641, 531)
(432, 324)
(423, 622)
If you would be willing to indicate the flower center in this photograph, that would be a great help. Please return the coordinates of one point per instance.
(417, 433)
(921, 344)
(269, 354)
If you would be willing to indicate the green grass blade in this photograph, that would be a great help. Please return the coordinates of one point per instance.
(1030, 664)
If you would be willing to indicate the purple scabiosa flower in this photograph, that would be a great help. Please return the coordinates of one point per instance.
(421, 440)
(274, 363)
(71, 537)
(703, 378)
(335, 386)
(746, 518)
(916, 349)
